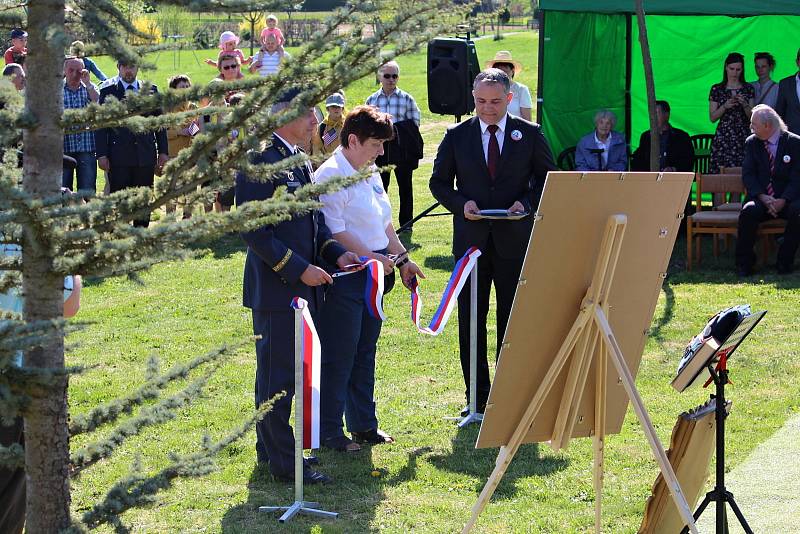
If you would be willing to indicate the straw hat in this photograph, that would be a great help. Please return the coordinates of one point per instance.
(504, 56)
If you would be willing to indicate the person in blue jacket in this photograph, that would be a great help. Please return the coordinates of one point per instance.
(603, 149)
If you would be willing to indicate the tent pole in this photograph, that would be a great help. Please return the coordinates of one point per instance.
(628, 76)
(540, 83)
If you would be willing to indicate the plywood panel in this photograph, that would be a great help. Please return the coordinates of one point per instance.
(558, 270)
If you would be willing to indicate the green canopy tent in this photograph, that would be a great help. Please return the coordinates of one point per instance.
(590, 59)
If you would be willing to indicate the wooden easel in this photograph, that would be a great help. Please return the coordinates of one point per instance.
(589, 334)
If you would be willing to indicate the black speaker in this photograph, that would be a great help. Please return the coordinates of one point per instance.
(452, 67)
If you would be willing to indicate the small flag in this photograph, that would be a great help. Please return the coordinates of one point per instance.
(312, 360)
(329, 136)
(194, 129)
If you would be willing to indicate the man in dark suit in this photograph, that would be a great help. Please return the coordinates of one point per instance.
(788, 102)
(283, 263)
(771, 175)
(130, 159)
(498, 161)
(676, 153)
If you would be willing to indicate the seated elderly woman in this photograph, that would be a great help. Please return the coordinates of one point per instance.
(603, 149)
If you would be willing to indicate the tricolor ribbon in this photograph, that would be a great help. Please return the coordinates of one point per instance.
(461, 273)
(373, 291)
(311, 357)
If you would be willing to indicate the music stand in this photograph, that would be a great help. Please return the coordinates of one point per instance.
(720, 377)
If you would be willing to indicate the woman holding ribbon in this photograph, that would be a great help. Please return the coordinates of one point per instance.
(360, 218)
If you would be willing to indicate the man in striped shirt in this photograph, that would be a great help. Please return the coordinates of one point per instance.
(79, 92)
(402, 107)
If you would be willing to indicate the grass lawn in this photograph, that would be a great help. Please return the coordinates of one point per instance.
(431, 477)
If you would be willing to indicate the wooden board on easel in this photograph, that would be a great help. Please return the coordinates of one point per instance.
(557, 272)
(589, 285)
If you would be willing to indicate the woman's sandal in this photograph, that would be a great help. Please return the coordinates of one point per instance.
(372, 437)
(341, 444)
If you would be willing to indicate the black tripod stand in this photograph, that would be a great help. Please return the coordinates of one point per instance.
(719, 375)
(720, 494)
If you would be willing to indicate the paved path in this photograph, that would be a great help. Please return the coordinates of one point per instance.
(766, 486)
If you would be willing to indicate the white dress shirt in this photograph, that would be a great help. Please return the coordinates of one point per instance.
(500, 134)
(134, 86)
(605, 145)
(362, 209)
(797, 85)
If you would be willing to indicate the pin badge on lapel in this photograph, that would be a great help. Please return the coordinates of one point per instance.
(787, 158)
(516, 135)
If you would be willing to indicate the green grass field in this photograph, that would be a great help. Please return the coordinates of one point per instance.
(432, 475)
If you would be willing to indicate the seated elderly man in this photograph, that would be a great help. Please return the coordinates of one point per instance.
(771, 175)
(603, 149)
(675, 146)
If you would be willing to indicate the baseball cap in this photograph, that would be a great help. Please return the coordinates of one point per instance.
(336, 99)
(18, 33)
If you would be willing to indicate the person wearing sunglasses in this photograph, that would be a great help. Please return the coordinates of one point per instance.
(405, 149)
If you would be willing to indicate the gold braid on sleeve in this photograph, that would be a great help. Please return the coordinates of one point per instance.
(281, 264)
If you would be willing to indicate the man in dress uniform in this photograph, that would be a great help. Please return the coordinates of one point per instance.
(282, 263)
(497, 161)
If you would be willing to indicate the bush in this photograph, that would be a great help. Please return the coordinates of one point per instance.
(322, 5)
(202, 38)
(148, 26)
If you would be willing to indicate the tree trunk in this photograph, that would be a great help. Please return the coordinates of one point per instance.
(655, 134)
(46, 433)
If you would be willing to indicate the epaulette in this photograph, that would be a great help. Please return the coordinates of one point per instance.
(265, 144)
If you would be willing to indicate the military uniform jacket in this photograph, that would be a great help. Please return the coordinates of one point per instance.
(524, 162)
(123, 147)
(278, 254)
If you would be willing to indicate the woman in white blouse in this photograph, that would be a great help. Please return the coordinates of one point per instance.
(521, 103)
(360, 218)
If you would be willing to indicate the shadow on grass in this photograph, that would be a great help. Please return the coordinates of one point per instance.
(479, 463)
(666, 316)
(440, 263)
(223, 247)
(355, 493)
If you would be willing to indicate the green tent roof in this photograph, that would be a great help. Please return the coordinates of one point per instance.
(678, 7)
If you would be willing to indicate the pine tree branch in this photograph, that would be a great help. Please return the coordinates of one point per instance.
(12, 457)
(151, 389)
(138, 489)
(98, 16)
(161, 412)
(9, 279)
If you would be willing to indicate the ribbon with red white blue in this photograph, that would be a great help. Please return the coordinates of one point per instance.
(461, 272)
(311, 361)
(373, 291)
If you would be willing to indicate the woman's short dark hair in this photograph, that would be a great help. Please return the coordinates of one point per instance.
(178, 78)
(366, 122)
(733, 57)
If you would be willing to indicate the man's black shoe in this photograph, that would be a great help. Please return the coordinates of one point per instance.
(310, 460)
(744, 272)
(309, 477)
(784, 269)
